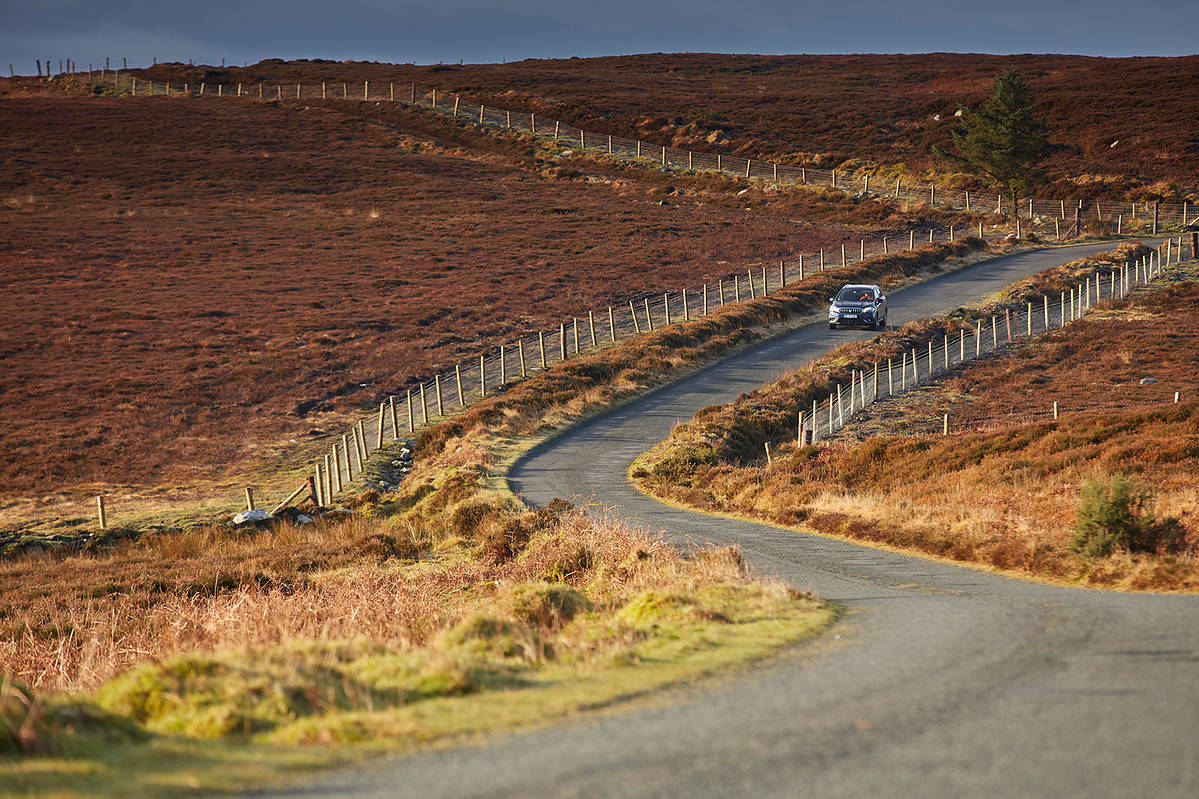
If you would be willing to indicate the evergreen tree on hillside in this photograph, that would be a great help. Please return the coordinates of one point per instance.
(1005, 141)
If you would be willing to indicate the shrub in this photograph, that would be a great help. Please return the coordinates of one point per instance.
(1119, 515)
(684, 462)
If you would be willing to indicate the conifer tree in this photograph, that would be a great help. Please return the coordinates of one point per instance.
(1005, 141)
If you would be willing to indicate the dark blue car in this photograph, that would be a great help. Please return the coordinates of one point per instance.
(858, 306)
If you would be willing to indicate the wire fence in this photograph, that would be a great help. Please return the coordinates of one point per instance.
(947, 425)
(978, 337)
(446, 393)
(1122, 216)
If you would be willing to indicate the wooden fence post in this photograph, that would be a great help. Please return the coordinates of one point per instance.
(633, 312)
(649, 318)
(101, 512)
(1055, 409)
(345, 445)
(458, 384)
(395, 425)
(411, 415)
(562, 341)
(945, 425)
(541, 345)
(437, 393)
(336, 473)
(362, 441)
(482, 376)
(520, 345)
(612, 324)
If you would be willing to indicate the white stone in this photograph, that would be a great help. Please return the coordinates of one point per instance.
(248, 516)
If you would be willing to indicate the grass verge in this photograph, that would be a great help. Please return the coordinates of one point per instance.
(554, 614)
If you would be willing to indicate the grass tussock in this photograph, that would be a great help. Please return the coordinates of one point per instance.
(1011, 495)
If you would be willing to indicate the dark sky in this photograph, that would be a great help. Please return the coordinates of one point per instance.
(492, 30)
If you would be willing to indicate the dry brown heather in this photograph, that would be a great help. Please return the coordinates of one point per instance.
(195, 288)
(1121, 124)
(1006, 495)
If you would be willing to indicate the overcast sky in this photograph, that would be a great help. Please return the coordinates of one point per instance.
(493, 30)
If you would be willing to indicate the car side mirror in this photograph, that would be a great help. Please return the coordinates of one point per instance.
(882, 298)
(830, 299)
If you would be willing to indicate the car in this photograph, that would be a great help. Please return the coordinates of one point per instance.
(859, 305)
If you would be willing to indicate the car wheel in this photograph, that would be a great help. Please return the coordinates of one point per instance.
(832, 326)
(882, 323)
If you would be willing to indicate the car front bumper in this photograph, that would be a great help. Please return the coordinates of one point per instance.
(841, 318)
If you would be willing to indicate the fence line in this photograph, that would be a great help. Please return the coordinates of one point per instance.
(426, 402)
(1146, 217)
(988, 335)
(1053, 411)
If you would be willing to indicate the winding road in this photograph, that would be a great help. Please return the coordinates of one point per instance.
(939, 681)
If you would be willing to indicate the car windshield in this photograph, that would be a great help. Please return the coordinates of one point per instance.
(855, 294)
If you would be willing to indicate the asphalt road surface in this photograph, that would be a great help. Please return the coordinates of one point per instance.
(939, 681)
